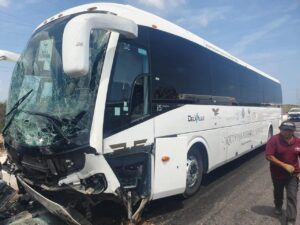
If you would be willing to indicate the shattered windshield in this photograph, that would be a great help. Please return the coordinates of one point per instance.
(59, 106)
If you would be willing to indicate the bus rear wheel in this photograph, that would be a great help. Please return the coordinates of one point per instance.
(194, 173)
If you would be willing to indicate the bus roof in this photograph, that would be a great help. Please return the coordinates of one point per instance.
(144, 18)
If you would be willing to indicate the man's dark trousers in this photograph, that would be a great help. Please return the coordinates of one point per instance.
(291, 187)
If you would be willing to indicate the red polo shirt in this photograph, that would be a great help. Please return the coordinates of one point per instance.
(287, 153)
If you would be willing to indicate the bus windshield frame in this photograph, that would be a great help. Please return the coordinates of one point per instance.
(60, 107)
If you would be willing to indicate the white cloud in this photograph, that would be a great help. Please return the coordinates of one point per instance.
(4, 3)
(176, 3)
(271, 56)
(204, 16)
(248, 39)
(155, 3)
(162, 4)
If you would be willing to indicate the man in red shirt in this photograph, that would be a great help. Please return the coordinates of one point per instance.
(283, 151)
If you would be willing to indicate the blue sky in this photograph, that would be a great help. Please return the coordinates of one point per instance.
(265, 34)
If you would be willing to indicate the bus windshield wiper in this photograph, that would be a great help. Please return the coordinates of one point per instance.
(78, 117)
(54, 120)
(19, 102)
(14, 110)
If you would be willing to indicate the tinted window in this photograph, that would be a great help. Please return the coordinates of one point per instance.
(249, 87)
(185, 72)
(260, 89)
(128, 93)
(278, 93)
(225, 79)
(130, 62)
(179, 67)
(272, 91)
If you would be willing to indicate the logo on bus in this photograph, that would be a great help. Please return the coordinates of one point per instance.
(216, 111)
(196, 118)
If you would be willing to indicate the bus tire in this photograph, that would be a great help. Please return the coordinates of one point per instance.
(194, 172)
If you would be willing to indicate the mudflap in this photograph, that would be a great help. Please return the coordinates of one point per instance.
(67, 215)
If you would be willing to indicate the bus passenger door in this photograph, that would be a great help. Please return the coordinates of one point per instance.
(170, 166)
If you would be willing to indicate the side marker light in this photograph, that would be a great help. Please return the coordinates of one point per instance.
(165, 158)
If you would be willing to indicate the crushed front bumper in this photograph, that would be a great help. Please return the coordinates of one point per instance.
(65, 214)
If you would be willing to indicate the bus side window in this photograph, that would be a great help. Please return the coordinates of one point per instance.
(140, 97)
(127, 97)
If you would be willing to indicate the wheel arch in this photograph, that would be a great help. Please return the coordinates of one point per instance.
(201, 146)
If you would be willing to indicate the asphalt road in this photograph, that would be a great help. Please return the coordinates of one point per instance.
(239, 193)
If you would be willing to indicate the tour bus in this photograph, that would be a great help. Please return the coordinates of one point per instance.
(111, 102)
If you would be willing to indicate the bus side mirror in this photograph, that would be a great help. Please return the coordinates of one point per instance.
(76, 38)
(9, 56)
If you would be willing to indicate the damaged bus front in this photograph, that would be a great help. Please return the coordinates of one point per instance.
(55, 116)
(111, 102)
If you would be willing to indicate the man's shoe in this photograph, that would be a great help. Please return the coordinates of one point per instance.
(278, 211)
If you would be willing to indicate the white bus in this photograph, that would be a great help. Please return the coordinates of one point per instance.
(110, 101)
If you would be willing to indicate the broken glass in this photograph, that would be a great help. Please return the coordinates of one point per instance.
(58, 107)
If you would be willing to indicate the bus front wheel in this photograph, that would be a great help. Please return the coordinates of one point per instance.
(194, 172)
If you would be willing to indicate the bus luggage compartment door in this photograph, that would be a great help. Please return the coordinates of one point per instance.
(170, 166)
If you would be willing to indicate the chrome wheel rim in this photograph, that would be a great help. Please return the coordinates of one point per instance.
(192, 171)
